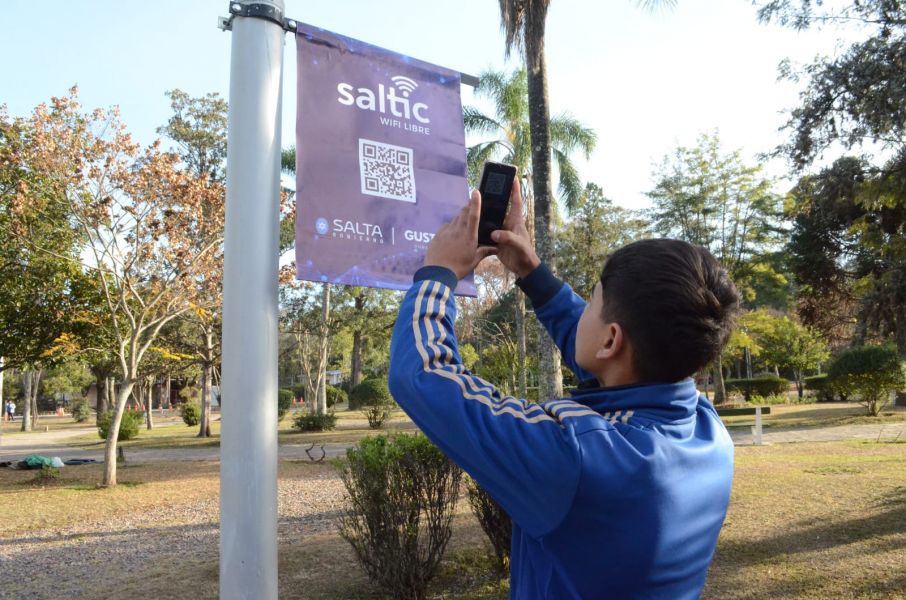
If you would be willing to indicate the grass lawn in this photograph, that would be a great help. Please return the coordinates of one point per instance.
(808, 520)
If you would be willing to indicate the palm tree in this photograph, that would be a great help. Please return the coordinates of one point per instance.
(510, 141)
(523, 23)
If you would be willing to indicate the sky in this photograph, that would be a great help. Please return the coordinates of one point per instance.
(645, 82)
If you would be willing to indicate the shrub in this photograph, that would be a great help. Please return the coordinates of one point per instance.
(821, 386)
(376, 415)
(191, 413)
(313, 422)
(370, 392)
(336, 395)
(761, 386)
(871, 373)
(402, 495)
(47, 474)
(130, 424)
(190, 393)
(284, 401)
(80, 411)
(494, 521)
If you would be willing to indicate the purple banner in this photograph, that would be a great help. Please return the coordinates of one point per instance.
(380, 161)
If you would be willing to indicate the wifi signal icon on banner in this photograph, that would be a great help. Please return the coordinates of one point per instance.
(404, 85)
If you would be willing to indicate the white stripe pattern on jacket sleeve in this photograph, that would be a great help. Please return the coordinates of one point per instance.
(497, 407)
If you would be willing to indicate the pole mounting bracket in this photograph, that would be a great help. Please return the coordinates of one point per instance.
(256, 10)
(269, 12)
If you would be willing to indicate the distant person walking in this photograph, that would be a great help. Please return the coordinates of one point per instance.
(10, 410)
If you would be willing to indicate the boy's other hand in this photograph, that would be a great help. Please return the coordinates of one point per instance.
(514, 247)
(455, 246)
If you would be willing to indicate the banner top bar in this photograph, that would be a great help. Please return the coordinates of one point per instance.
(269, 12)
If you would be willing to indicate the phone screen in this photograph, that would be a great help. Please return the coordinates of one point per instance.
(495, 188)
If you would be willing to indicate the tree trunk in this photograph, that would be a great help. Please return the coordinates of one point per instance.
(113, 432)
(798, 383)
(36, 380)
(204, 426)
(550, 378)
(2, 404)
(26, 400)
(101, 396)
(168, 392)
(720, 391)
(322, 352)
(111, 392)
(356, 366)
(149, 403)
(900, 337)
(521, 390)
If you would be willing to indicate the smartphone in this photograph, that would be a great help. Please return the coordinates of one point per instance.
(496, 185)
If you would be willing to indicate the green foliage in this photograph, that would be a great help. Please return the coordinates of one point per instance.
(47, 474)
(314, 422)
(190, 393)
(469, 355)
(336, 395)
(494, 521)
(598, 228)
(510, 136)
(45, 293)
(67, 378)
(707, 196)
(191, 413)
(871, 373)
(402, 496)
(80, 411)
(760, 386)
(373, 391)
(130, 425)
(284, 401)
(822, 387)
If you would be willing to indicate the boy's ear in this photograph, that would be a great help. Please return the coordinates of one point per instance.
(611, 342)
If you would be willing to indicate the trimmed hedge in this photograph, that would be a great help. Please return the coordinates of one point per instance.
(284, 401)
(309, 422)
(191, 413)
(870, 373)
(758, 386)
(129, 425)
(822, 386)
(373, 391)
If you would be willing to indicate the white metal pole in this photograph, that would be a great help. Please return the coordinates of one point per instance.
(248, 446)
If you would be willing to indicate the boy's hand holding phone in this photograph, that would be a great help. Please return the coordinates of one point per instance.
(487, 226)
(455, 245)
(514, 247)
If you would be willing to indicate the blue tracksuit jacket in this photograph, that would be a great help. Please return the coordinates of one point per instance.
(614, 493)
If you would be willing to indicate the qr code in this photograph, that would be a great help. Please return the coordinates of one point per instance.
(386, 170)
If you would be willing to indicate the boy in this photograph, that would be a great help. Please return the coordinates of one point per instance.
(620, 491)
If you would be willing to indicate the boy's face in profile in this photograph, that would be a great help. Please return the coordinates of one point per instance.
(592, 333)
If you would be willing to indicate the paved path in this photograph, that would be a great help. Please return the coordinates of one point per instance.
(53, 443)
(823, 434)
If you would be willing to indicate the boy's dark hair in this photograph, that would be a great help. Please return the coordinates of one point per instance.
(675, 303)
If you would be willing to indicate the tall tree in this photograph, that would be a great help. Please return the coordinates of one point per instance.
(596, 229)
(199, 128)
(711, 198)
(511, 141)
(136, 213)
(523, 23)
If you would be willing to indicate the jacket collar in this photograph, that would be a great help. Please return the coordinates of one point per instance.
(660, 401)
